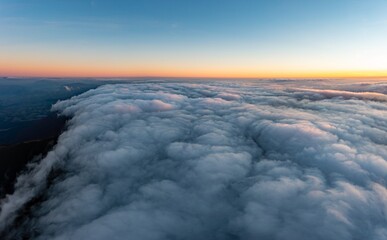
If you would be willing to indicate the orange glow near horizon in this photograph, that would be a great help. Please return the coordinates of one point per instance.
(37, 69)
(91, 64)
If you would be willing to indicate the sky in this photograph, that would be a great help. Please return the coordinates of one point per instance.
(174, 38)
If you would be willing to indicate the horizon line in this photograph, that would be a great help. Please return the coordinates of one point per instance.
(199, 77)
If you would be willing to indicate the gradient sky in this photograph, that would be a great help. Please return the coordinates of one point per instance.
(214, 38)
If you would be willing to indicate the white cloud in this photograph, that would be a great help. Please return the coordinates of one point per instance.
(211, 160)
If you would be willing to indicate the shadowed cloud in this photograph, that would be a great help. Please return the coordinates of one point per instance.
(210, 160)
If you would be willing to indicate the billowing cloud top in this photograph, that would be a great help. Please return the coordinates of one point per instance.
(211, 160)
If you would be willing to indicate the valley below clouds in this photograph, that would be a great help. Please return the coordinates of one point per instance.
(211, 160)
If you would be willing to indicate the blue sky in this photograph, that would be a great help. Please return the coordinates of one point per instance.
(192, 36)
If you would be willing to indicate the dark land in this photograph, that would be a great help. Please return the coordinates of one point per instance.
(28, 128)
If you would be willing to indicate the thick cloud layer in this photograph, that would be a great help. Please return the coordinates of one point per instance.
(211, 160)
